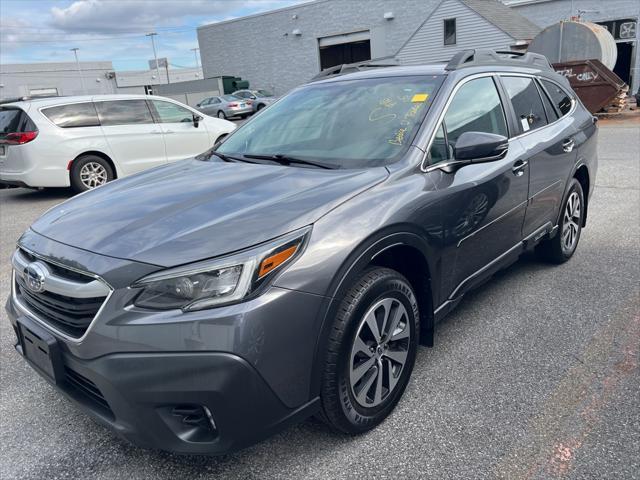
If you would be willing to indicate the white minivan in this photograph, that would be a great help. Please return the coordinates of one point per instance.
(86, 141)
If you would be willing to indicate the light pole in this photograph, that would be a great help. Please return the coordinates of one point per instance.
(155, 55)
(75, 53)
(195, 54)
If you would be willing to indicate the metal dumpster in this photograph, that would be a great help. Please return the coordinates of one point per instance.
(596, 85)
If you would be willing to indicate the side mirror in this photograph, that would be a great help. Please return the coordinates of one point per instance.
(196, 120)
(480, 147)
(198, 104)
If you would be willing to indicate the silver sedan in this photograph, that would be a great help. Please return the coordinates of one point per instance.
(226, 106)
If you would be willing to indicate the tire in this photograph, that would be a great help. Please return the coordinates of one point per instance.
(561, 248)
(221, 114)
(260, 107)
(348, 404)
(90, 171)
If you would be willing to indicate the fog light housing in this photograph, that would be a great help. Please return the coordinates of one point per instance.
(190, 422)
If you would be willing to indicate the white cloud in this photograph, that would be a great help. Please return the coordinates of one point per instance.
(102, 16)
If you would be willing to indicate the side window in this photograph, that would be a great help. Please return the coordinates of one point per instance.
(124, 112)
(214, 100)
(171, 113)
(73, 116)
(475, 107)
(526, 102)
(206, 101)
(559, 97)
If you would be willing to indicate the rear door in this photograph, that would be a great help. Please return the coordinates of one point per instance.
(135, 140)
(549, 141)
(182, 138)
(482, 205)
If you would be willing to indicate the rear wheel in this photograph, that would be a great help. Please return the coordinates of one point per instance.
(221, 114)
(371, 351)
(260, 107)
(89, 172)
(561, 248)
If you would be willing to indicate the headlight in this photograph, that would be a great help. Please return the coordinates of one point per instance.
(222, 280)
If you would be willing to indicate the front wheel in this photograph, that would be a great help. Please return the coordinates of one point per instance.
(561, 248)
(371, 351)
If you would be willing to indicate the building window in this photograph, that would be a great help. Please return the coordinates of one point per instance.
(450, 31)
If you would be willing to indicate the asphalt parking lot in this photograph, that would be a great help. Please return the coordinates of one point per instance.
(535, 375)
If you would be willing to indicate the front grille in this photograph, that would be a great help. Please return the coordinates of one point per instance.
(69, 311)
(88, 390)
(70, 315)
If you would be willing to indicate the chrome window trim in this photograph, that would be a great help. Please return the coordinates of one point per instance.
(25, 310)
(423, 164)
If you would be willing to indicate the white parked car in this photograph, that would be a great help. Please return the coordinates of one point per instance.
(86, 141)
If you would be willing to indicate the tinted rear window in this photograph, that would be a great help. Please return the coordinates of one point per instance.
(73, 116)
(124, 112)
(559, 97)
(13, 120)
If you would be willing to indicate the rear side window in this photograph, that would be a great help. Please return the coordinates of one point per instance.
(526, 102)
(14, 120)
(171, 113)
(124, 112)
(73, 116)
(559, 97)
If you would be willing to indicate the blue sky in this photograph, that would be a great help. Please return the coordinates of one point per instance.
(45, 30)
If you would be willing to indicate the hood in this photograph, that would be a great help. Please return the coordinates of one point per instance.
(194, 210)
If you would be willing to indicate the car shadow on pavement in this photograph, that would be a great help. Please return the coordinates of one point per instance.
(39, 194)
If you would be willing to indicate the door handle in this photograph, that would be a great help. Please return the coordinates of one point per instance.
(518, 167)
(156, 132)
(169, 131)
(568, 145)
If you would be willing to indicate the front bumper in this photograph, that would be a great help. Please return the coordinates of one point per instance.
(136, 395)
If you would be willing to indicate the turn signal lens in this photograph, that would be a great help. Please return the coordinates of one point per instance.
(275, 260)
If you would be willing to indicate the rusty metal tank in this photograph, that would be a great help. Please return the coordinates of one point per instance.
(572, 41)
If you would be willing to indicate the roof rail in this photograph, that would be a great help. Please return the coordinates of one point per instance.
(354, 67)
(13, 100)
(25, 98)
(479, 57)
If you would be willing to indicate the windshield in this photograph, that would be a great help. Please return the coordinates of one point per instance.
(263, 93)
(347, 124)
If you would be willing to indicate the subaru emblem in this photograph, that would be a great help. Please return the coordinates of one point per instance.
(34, 277)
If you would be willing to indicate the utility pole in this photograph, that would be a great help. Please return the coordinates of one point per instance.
(155, 55)
(75, 53)
(195, 54)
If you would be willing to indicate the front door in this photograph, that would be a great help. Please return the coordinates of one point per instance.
(482, 205)
(181, 137)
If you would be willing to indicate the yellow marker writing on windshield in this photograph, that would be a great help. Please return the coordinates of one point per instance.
(420, 97)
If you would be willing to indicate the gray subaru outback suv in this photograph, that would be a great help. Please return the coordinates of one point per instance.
(295, 268)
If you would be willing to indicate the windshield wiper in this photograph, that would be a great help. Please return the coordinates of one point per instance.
(287, 160)
(229, 158)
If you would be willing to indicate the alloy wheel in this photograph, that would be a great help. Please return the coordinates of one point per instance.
(379, 352)
(571, 222)
(92, 175)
